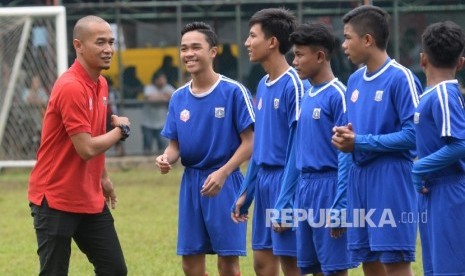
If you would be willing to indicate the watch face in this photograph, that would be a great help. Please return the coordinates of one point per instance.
(125, 131)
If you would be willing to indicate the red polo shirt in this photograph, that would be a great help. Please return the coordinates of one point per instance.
(77, 104)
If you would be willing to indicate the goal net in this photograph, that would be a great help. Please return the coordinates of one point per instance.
(33, 53)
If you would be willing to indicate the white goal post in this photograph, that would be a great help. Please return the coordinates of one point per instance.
(33, 53)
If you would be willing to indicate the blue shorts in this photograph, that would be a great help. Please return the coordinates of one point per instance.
(266, 194)
(442, 235)
(316, 250)
(205, 225)
(381, 200)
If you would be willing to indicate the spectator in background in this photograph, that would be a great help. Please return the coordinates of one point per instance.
(170, 70)
(132, 86)
(156, 95)
(35, 97)
(35, 94)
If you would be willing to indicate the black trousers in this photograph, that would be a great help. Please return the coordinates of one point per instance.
(95, 235)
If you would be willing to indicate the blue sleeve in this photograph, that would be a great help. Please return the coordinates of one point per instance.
(245, 115)
(290, 177)
(396, 141)
(439, 159)
(344, 164)
(248, 186)
(339, 207)
(169, 130)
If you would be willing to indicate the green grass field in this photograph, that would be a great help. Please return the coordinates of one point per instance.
(146, 221)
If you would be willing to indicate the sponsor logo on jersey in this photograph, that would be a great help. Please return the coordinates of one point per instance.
(316, 113)
(185, 115)
(259, 106)
(219, 112)
(354, 96)
(379, 95)
(276, 103)
(90, 104)
(416, 118)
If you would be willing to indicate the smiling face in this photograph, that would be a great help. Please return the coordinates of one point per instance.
(257, 44)
(196, 52)
(354, 45)
(95, 46)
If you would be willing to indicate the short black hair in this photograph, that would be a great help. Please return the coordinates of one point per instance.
(370, 20)
(443, 43)
(314, 34)
(203, 28)
(277, 22)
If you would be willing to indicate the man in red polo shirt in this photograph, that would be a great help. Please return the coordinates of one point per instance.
(69, 184)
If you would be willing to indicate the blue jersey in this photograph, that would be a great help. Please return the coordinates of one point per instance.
(380, 103)
(276, 110)
(439, 117)
(207, 126)
(322, 108)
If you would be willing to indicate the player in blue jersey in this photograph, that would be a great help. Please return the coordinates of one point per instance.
(277, 107)
(210, 127)
(381, 98)
(323, 106)
(439, 173)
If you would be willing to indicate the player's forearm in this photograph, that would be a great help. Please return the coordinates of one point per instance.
(172, 151)
(441, 158)
(396, 141)
(290, 177)
(344, 165)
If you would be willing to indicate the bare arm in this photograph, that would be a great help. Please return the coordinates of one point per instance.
(170, 156)
(215, 180)
(88, 147)
(108, 190)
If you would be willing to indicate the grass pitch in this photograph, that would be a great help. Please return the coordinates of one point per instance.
(145, 218)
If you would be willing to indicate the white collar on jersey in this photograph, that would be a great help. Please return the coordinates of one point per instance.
(206, 93)
(270, 83)
(313, 94)
(431, 88)
(384, 68)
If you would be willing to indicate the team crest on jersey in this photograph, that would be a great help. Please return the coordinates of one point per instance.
(276, 103)
(219, 112)
(379, 95)
(259, 106)
(354, 96)
(316, 113)
(185, 115)
(416, 118)
(90, 104)
(105, 101)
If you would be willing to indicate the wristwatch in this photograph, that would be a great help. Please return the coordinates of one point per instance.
(125, 131)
